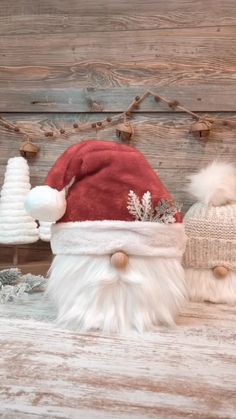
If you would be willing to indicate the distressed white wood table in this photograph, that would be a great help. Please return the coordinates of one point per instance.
(186, 372)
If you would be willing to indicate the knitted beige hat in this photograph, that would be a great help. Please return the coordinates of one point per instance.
(211, 235)
(211, 223)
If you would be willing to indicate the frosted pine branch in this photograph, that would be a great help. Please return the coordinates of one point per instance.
(134, 206)
(147, 207)
(9, 276)
(14, 286)
(11, 293)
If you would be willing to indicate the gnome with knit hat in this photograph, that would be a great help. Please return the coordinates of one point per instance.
(118, 240)
(210, 257)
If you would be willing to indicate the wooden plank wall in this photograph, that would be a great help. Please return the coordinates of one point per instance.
(62, 62)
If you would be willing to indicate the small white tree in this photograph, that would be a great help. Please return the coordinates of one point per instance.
(16, 226)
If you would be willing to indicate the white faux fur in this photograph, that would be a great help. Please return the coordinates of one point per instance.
(215, 184)
(143, 238)
(91, 294)
(45, 203)
(203, 286)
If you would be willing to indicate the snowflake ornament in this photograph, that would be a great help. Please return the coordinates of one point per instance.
(143, 210)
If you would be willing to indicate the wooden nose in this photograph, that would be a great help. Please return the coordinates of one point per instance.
(220, 272)
(119, 260)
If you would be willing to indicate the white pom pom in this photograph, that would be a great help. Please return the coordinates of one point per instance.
(216, 184)
(45, 204)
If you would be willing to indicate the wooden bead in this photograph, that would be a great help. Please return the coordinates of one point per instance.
(119, 260)
(173, 104)
(220, 272)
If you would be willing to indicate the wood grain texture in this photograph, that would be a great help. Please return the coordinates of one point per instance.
(117, 99)
(109, 74)
(109, 43)
(164, 57)
(187, 372)
(103, 15)
(159, 137)
(175, 45)
(36, 252)
(112, 7)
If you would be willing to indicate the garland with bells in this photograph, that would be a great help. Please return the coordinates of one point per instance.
(201, 126)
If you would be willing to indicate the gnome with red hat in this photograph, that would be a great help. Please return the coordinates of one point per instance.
(118, 240)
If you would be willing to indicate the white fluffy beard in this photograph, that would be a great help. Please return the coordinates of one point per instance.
(91, 294)
(203, 286)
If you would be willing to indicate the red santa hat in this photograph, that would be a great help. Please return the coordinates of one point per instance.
(104, 198)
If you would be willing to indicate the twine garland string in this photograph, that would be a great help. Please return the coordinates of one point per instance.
(27, 130)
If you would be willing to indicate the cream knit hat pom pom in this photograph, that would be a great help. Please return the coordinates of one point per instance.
(214, 185)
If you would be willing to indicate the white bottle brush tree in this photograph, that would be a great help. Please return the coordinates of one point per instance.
(16, 226)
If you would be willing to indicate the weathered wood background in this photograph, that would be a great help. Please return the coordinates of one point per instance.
(186, 372)
(76, 60)
(62, 62)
